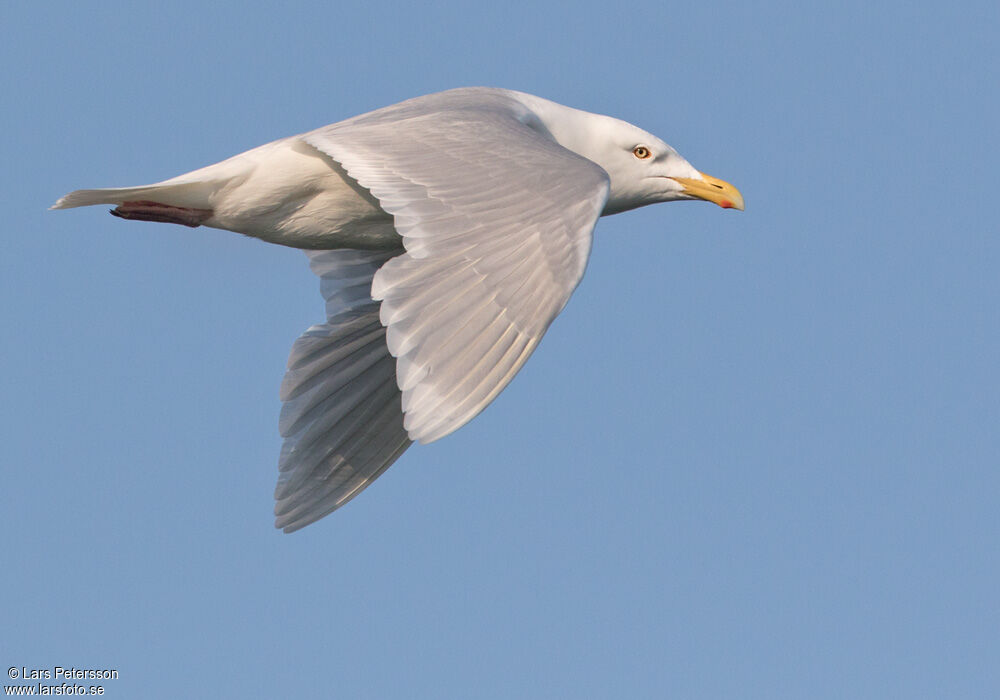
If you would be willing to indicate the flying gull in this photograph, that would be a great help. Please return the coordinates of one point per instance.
(448, 231)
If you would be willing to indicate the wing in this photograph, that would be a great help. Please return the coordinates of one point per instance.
(496, 220)
(342, 418)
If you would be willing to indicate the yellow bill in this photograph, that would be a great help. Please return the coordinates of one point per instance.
(712, 189)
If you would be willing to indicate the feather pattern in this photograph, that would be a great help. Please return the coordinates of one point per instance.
(496, 220)
(342, 416)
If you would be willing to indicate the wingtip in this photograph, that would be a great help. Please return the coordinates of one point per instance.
(284, 523)
(286, 529)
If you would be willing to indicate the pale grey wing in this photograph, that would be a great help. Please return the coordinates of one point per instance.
(496, 219)
(342, 417)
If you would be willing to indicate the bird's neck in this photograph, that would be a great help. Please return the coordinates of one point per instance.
(571, 128)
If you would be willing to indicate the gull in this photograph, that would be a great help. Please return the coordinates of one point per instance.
(448, 231)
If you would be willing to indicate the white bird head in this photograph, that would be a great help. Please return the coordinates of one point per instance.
(642, 168)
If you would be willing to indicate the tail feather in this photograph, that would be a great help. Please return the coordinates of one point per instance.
(193, 190)
(188, 195)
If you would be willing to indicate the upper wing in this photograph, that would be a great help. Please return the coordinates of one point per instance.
(496, 219)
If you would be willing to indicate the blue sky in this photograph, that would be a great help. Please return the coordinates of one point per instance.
(756, 456)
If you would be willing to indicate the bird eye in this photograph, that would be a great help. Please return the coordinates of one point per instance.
(641, 152)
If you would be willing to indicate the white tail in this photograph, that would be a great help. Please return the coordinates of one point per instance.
(190, 195)
(192, 190)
